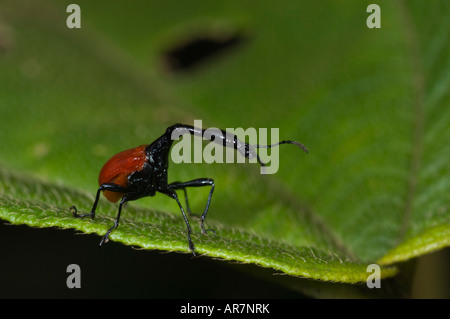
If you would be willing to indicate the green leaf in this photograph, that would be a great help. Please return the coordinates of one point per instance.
(370, 104)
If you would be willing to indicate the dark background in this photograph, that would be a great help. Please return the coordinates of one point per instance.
(34, 263)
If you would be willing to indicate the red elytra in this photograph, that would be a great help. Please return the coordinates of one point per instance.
(117, 169)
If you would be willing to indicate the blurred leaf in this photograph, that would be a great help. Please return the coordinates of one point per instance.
(371, 105)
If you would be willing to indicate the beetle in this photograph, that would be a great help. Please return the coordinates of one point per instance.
(142, 171)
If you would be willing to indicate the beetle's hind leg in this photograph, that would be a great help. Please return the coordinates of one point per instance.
(105, 238)
(104, 187)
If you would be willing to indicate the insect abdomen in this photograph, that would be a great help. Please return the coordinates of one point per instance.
(117, 169)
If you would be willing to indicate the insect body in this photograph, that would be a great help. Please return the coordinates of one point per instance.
(142, 171)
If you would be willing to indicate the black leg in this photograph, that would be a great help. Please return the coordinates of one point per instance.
(105, 238)
(104, 187)
(188, 209)
(174, 195)
(197, 183)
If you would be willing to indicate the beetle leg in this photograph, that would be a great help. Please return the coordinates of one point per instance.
(173, 194)
(197, 183)
(188, 209)
(105, 238)
(107, 186)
